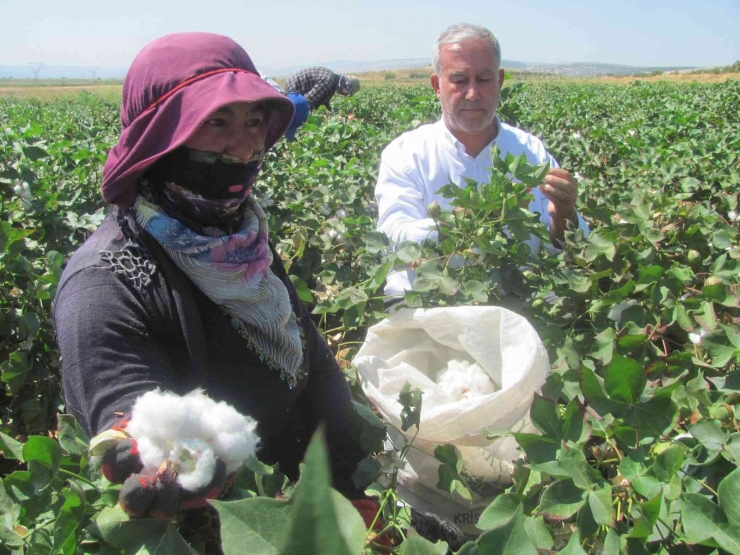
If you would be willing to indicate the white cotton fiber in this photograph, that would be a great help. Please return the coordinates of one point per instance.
(157, 414)
(151, 453)
(193, 431)
(462, 380)
(197, 463)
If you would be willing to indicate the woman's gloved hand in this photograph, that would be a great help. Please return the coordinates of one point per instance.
(157, 495)
(368, 509)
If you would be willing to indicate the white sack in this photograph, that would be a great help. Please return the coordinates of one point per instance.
(414, 345)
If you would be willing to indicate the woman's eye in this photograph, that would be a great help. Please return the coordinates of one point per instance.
(254, 122)
(215, 122)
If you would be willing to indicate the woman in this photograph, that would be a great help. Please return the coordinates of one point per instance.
(179, 288)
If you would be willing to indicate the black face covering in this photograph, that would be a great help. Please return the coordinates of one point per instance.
(205, 187)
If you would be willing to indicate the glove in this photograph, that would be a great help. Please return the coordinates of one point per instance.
(435, 528)
(368, 508)
(159, 496)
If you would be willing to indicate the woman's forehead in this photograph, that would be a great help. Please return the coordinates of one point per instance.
(241, 108)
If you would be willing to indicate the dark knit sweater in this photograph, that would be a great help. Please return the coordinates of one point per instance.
(118, 341)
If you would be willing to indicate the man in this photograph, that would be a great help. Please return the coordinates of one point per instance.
(319, 84)
(467, 79)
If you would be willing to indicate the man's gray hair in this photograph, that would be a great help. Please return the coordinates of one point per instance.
(455, 34)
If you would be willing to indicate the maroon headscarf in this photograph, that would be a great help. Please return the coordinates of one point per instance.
(172, 87)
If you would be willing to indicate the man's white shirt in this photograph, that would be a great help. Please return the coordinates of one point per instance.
(420, 162)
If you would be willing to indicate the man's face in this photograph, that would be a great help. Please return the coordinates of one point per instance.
(468, 86)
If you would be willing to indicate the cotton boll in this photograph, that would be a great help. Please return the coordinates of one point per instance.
(158, 415)
(222, 417)
(186, 429)
(196, 461)
(233, 448)
(198, 405)
(462, 380)
(152, 453)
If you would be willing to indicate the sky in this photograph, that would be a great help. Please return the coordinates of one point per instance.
(281, 34)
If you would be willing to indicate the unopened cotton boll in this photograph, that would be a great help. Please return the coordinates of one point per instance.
(462, 380)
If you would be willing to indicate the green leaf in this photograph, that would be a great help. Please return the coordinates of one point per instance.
(367, 429)
(538, 449)
(709, 433)
(600, 502)
(732, 449)
(71, 436)
(574, 464)
(449, 478)
(477, 290)
(253, 526)
(545, 417)
(538, 532)
(509, 539)
(603, 347)
(595, 395)
(574, 545)
(721, 239)
(321, 522)
(599, 244)
(611, 543)
(499, 512)
(138, 535)
(304, 292)
(624, 380)
(417, 545)
(410, 399)
(561, 500)
(42, 450)
(67, 523)
(728, 495)
(668, 462)
(11, 448)
(703, 520)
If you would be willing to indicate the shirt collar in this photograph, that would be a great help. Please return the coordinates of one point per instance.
(457, 146)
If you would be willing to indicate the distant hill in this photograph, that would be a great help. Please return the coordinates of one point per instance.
(583, 69)
(586, 69)
(62, 72)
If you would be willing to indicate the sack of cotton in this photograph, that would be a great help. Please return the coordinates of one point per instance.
(174, 452)
(478, 368)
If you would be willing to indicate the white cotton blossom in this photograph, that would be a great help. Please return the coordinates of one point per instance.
(22, 190)
(463, 380)
(732, 216)
(695, 338)
(324, 210)
(193, 431)
(341, 213)
(616, 311)
(576, 135)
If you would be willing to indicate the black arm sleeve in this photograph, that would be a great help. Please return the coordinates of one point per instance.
(110, 354)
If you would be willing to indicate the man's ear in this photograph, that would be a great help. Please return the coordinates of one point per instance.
(501, 76)
(435, 83)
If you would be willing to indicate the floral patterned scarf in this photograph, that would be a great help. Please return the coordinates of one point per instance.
(234, 272)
